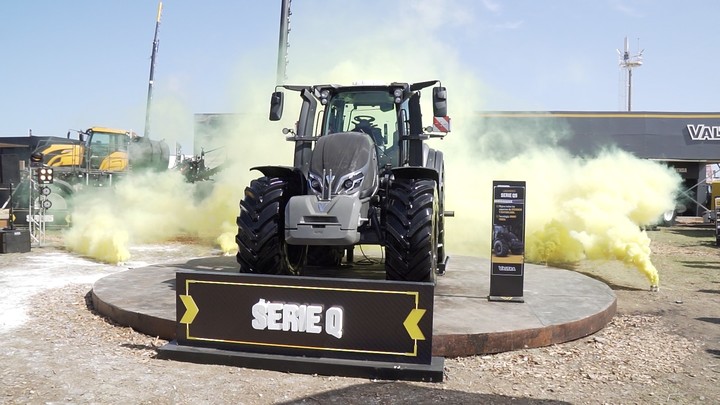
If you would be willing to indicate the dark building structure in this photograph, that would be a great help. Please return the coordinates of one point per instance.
(688, 142)
(23, 146)
(11, 165)
(14, 162)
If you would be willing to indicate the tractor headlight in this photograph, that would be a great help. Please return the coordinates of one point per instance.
(315, 184)
(350, 183)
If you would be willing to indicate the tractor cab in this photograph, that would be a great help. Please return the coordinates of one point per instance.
(371, 112)
(106, 149)
(388, 113)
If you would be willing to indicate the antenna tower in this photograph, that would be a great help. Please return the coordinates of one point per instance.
(627, 64)
(283, 42)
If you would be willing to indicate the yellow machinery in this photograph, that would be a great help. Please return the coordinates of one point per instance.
(99, 148)
(104, 150)
(714, 194)
(99, 157)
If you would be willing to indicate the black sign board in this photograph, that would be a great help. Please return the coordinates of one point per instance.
(717, 218)
(508, 241)
(306, 316)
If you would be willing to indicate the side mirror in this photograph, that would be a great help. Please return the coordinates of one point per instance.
(276, 106)
(439, 102)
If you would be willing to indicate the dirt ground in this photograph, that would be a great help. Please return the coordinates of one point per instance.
(662, 347)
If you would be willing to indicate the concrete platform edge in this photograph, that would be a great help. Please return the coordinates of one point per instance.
(433, 372)
(137, 307)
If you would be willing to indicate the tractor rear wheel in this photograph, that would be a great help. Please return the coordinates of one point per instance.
(435, 161)
(411, 230)
(261, 229)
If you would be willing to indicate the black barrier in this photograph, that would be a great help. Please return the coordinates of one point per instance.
(507, 271)
(374, 320)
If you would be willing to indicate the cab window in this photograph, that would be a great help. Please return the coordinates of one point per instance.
(371, 112)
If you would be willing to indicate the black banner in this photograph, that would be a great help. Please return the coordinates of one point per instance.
(306, 316)
(717, 217)
(508, 241)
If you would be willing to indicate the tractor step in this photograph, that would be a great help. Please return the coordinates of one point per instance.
(443, 266)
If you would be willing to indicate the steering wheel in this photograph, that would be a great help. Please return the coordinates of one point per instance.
(360, 118)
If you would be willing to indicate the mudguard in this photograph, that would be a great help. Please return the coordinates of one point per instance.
(413, 172)
(290, 173)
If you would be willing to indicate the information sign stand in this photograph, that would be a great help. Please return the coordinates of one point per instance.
(508, 242)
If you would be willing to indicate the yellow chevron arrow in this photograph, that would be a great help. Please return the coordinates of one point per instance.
(411, 324)
(191, 309)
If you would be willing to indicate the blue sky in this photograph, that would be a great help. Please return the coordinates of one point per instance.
(77, 63)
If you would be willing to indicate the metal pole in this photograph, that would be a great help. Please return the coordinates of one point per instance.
(629, 106)
(283, 41)
(156, 41)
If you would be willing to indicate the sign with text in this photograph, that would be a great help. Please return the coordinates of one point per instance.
(306, 316)
(507, 262)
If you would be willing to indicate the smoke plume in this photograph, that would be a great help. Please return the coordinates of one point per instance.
(577, 207)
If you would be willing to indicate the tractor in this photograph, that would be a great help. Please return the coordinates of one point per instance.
(505, 242)
(362, 174)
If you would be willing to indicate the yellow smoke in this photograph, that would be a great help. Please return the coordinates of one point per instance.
(577, 207)
(601, 213)
(154, 207)
(146, 207)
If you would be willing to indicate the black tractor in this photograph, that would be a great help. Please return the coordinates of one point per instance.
(362, 174)
(505, 242)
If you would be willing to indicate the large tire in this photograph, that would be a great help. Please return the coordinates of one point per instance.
(410, 230)
(325, 256)
(500, 248)
(261, 229)
(436, 161)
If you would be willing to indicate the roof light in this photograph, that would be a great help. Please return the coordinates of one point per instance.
(324, 96)
(397, 94)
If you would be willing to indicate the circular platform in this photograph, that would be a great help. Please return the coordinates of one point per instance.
(560, 305)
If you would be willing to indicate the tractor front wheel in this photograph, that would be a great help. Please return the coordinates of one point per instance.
(261, 229)
(411, 238)
(500, 248)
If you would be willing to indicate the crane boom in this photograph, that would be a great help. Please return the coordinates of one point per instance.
(153, 55)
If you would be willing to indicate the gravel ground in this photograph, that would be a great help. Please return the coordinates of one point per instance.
(662, 347)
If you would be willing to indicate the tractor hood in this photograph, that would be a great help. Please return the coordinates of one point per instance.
(343, 163)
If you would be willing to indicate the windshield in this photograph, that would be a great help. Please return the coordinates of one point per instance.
(112, 142)
(371, 112)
